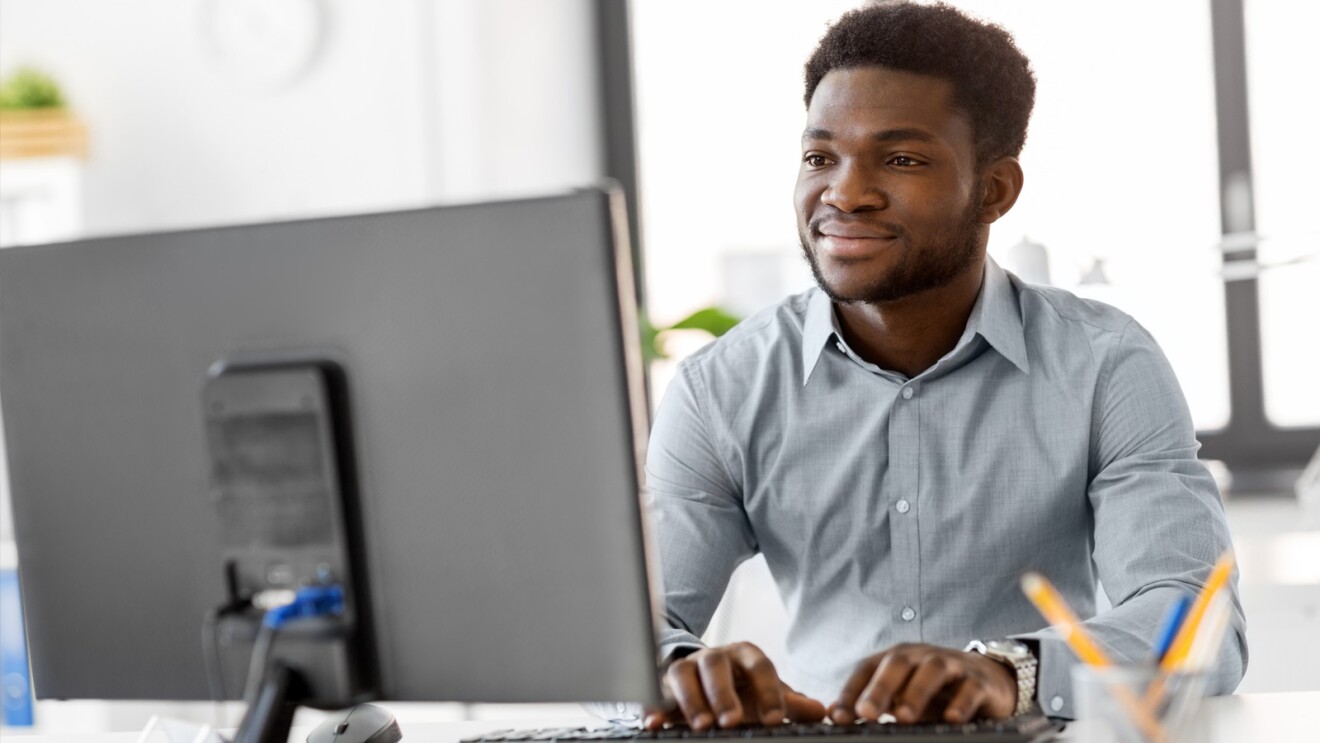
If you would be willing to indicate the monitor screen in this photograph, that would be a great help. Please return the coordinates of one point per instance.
(492, 375)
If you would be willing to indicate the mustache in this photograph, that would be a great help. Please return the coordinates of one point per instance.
(843, 218)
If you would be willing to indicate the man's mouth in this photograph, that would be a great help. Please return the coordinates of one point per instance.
(839, 240)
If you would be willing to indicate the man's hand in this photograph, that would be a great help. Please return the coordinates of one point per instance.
(729, 686)
(917, 683)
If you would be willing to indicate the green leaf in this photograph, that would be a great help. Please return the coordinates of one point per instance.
(28, 89)
(713, 320)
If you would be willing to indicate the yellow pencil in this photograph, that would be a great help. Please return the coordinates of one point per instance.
(1057, 612)
(1052, 606)
(1182, 643)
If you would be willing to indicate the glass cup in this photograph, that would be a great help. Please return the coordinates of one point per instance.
(1136, 704)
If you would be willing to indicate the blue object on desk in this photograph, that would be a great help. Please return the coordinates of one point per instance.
(1172, 623)
(15, 682)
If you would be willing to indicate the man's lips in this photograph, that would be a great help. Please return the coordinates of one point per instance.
(855, 231)
(852, 240)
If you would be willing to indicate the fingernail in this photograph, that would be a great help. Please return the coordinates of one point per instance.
(904, 713)
(774, 716)
(702, 721)
(867, 710)
(729, 719)
(840, 715)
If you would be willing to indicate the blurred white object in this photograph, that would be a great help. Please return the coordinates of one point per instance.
(165, 730)
(1029, 261)
(1095, 275)
(40, 200)
(751, 280)
(263, 45)
(1308, 490)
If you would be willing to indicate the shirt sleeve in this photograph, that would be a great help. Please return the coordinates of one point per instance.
(700, 527)
(1159, 523)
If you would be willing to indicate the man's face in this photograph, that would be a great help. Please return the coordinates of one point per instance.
(887, 196)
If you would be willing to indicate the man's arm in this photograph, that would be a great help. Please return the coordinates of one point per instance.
(700, 527)
(703, 533)
(1159, 521)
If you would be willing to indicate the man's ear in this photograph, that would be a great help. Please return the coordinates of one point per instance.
(1001, 183)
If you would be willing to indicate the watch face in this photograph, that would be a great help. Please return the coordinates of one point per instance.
(1008, 648)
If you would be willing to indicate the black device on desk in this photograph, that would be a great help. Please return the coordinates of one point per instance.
(389, 456)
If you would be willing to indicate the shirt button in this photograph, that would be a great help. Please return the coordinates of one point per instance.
(908, 615)
(903, 506)
(907, 393)
(1056, 704)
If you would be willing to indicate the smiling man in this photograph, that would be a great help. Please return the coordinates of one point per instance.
(904, 441)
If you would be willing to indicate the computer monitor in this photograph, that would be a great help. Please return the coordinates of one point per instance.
(484, 361)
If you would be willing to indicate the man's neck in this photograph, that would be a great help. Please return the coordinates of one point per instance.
(910, 334)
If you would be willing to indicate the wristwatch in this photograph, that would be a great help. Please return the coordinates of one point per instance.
(1017, 656)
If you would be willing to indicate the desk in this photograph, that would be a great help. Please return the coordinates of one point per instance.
(1257, 718)
(1245, 718)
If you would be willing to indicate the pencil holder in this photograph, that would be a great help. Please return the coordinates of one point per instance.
(1137, 704)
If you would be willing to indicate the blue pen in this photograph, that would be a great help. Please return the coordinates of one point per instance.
(1172, 622)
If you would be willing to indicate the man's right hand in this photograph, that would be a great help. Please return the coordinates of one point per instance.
(728, 686)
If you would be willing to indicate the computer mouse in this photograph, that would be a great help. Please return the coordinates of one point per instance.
(364, 723)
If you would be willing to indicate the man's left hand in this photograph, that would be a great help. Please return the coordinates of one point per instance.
(926, 683)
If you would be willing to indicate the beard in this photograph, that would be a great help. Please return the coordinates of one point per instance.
(931, 264)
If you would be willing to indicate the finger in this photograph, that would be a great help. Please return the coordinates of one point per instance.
(717, 681)
(686, 686)
(965, 702)
(931, 675)
(801, 708)
(654, 716)
(842, 711)
(763, 682)
(890, 676)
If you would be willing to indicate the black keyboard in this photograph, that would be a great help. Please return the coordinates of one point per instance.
(1024, 729)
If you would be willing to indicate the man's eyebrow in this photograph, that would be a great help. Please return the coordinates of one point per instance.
(885, 135)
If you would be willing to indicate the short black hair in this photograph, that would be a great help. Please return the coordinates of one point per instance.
(992, 80)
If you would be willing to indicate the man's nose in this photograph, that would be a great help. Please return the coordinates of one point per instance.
(852, 188)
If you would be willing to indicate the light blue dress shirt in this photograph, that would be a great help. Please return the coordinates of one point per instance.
(1053, 437)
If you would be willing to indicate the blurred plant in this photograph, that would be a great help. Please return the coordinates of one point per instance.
(713, 320)
(27, 89)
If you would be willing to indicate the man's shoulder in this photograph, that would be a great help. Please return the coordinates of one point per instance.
(1049, 311)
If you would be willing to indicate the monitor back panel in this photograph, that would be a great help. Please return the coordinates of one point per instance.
(496, 448)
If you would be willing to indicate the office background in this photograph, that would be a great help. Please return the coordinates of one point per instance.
(1141, 177)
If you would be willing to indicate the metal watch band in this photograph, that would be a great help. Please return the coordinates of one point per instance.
(1023, 664)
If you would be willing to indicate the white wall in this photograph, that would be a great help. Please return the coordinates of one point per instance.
(403, 102)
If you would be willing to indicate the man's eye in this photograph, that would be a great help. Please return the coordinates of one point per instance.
(816, 161)
(903, 161)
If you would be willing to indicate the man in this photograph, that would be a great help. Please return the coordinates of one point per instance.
(905, 441)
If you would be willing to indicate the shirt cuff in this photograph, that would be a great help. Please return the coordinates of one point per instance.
(1054, 662)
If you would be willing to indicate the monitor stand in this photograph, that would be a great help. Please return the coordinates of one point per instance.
(269, 715)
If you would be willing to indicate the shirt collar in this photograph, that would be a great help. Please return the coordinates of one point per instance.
(817, 329)
(996, 316)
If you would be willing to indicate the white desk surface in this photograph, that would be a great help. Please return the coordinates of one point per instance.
(1245, 718)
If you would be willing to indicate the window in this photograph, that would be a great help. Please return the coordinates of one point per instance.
(1281, 62)
(1120, 161)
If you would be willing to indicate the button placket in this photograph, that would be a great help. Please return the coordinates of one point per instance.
(904, 480)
